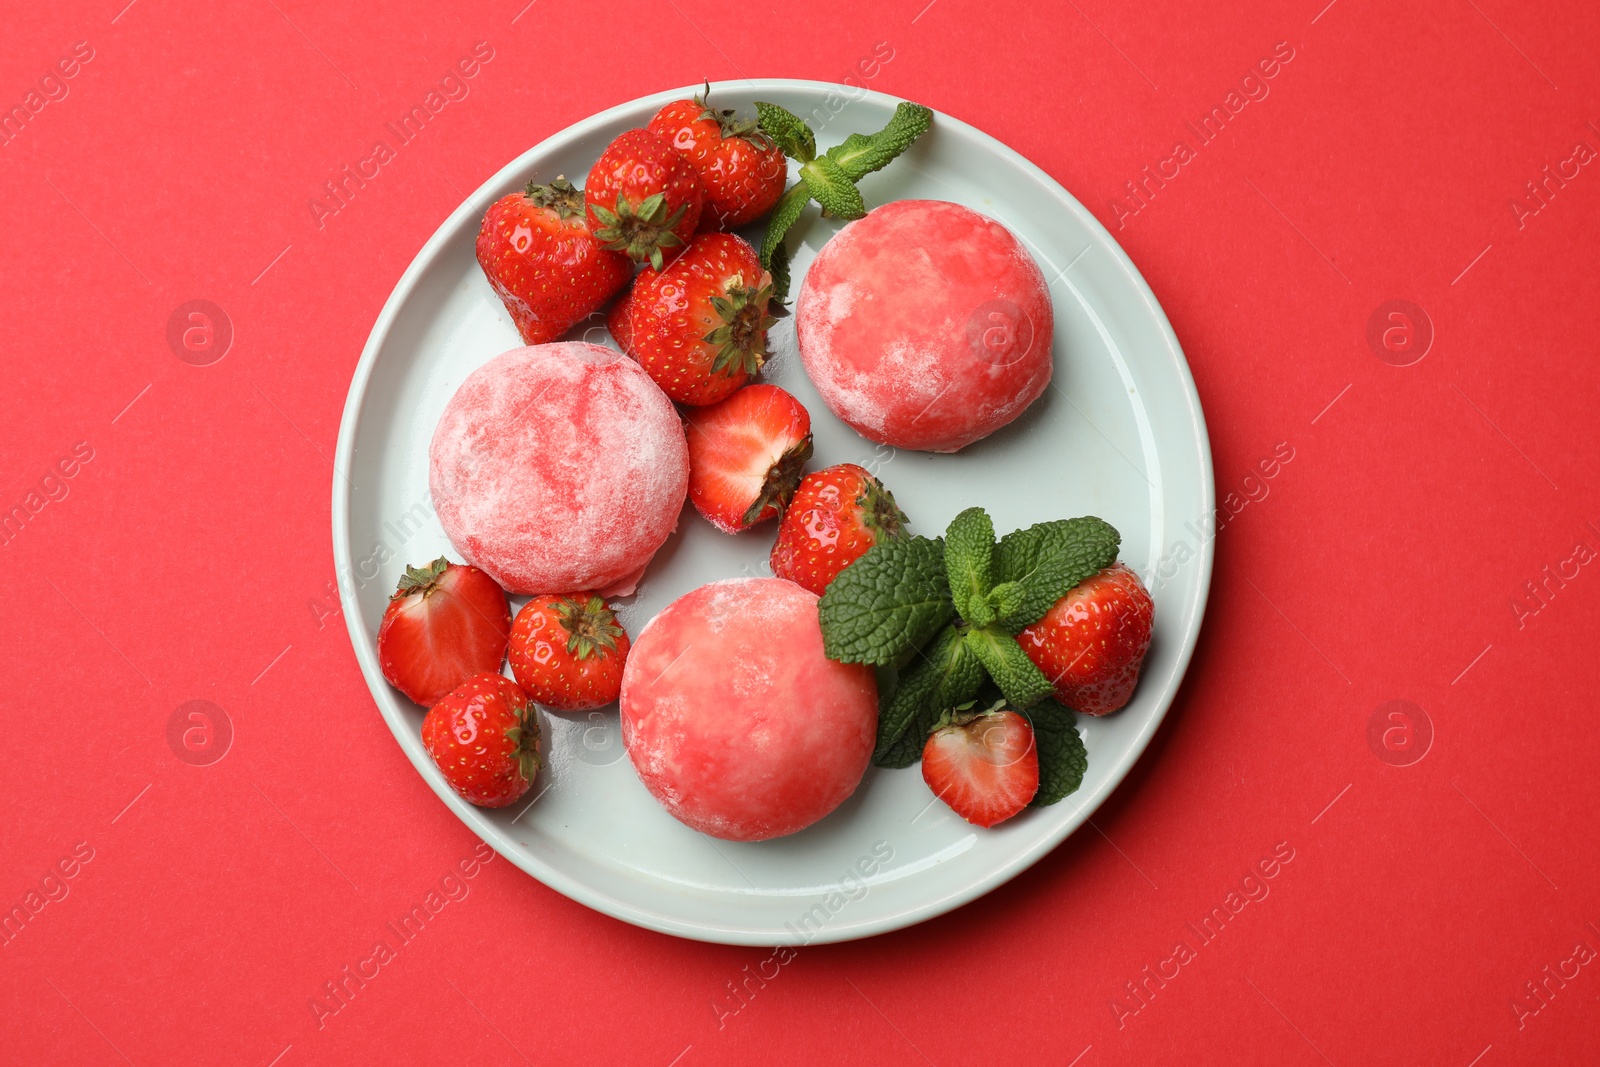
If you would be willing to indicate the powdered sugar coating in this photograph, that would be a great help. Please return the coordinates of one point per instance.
(559, 467)
(925, 325)
(735, 720)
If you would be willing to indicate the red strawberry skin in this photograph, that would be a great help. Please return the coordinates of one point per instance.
(746, 455)
(568, 651)
(1092, 642)
(634, 167)
(668, 318)
(836, 515)
(485, 740)
(986, 769)
(547, 268)
(743, 174)
(445, 623)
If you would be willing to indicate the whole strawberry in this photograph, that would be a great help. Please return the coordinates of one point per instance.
(643, 198)
(485, 740)
(836, 515)
(742, 170)
(746, 454)
(568, 651)
(444, 623)
(985, 766)
(699, 327)
(547, 268)
(1092, 642)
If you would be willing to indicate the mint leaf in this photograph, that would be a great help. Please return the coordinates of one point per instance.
(886, 603)
(1048, 559)
(1062, 757)
(832, 188)
(860, 155)
(943, 675)
(787, 130)
(1022, 683)
(1005, 599)
(784, 215)
(780, 280)
(969, 562)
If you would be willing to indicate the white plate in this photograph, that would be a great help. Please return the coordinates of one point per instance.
(1120, 435)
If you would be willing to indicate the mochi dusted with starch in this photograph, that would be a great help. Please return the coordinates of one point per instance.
(559, 467)
(735, 720)
(925, 325)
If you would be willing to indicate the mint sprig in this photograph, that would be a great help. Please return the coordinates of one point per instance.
(947, 612)
(1062, 757)
(830, 178)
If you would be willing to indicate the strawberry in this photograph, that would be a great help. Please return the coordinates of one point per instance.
(445, 623)
(538, 254)
(485, 739)
(644, 198)
(1091, 643)
(568, 651)
(985, 766)
(699, 327)
(836, 515)
(742, 170)
(745, 456)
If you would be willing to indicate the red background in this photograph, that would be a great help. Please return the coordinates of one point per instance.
(191, 559)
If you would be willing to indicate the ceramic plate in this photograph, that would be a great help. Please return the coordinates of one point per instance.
(1119, 434)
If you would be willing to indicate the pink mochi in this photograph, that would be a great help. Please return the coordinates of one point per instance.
(925, 325)
(559, 468)
(735, 720)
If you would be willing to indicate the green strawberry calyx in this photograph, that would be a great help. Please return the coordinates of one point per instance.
(560, 196)
(879, 513)
(741, 339)
(524, 738)
(778, 487)
(424, 579)
(641, 230)
(592, 629)
(729, 122)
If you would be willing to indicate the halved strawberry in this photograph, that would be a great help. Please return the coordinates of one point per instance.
(445, 623)
(985, 766)
(746, 454)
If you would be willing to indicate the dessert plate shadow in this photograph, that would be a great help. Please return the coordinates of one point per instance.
(1119, 434)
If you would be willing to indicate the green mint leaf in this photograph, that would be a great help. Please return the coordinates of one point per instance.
(1048, 559)
(779, 268)
(832, 188)
(784, 215)
(941, 676)
(787, 130)
(1022, 683)
(859, 155)
(886, 603)
(969, 562)
(1006, 599)
(1062, 757)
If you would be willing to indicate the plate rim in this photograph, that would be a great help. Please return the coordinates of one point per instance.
(582, 892)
